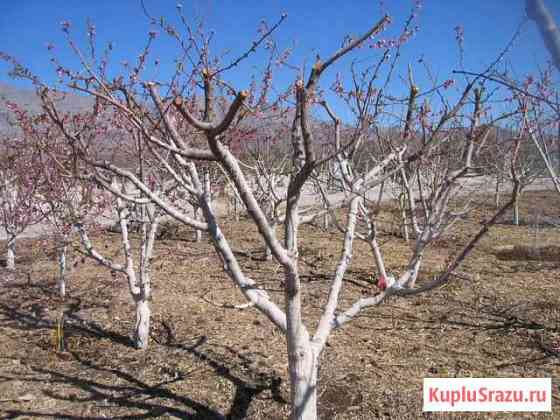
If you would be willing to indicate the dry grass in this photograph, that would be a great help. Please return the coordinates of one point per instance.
(208, 362)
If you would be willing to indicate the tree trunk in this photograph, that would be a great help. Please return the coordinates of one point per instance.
(142, 328)
(197, 233)
(516, 213)
(302, 359)
(378, 257)
(207, 186)
(404, 222)
(268, 251)
(326, 221)
(415, 269)
(497, 193)
(11, 253)
(62, 270)
(235, 205)
(303, 377)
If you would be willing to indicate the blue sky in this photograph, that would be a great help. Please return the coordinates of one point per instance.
(313, 26)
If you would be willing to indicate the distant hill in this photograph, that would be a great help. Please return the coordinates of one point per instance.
(28, 99)
(268, 124)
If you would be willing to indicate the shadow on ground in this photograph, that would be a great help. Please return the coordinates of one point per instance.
(105, 390)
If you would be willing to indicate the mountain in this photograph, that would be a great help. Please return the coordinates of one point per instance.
(28, 99)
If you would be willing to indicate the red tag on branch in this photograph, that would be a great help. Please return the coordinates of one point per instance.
(382, 283)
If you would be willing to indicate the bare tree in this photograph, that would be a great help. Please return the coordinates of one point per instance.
(138, 273)
(74, 205)
(20, 206)
(179, 135)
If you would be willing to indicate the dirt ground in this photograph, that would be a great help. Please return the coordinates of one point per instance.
(206, 361)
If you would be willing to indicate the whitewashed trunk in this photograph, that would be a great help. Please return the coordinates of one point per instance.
(197, 232)
(326, 220)
(62, 270)
(208, 187)
(268, 251)
(378, 258)
(404, 222)
(11, 254)
(303, 377)
(516, 213)
(197, 210)
(497, 194)
(142, 328)
(415, 270)
(302, 360)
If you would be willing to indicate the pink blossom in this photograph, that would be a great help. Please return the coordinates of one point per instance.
(65, 24)
(448, 83)
(459, 33)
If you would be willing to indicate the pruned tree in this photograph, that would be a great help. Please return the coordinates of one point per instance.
(78, 193)
(136, 259)
(536, 101)
(179, 134)
(20, 206)
(62, 198)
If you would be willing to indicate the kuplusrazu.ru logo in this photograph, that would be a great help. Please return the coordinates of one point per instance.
(487, 394)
